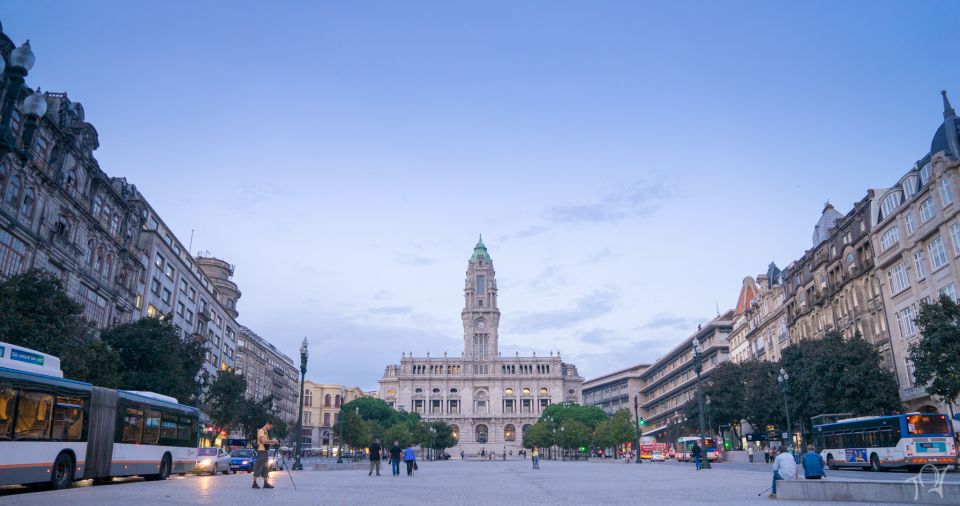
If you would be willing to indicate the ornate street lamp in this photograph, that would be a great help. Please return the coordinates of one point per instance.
(34, 106)
(697, 368)
(709, 417)
(563, 441)
(340, 419)
(636, 414)
(783, 379)
(304, 352)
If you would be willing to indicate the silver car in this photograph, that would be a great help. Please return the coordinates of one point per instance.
(213, 461)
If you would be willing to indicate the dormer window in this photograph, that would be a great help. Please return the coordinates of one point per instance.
(924, 174)
(890, 203)
(909, 186)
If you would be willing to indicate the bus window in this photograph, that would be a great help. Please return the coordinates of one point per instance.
(8, 398)
(168, 428)
(927, 424)
(33, 416)
(183, 431)
(132, 426)
(68, 419)
(151, 427)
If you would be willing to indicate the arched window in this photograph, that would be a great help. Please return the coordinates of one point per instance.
(97, 206)
(909, 186)
(924, 174)
(509, 432)
(326, 419)
(72, 182)
(890, 203)
(107, 267)
(308, 398)
(29, 202)
(336, 401)
(455, 432)
(544, 391)
(326, 401)
(481, 434)
(98, 262)
(14, 187)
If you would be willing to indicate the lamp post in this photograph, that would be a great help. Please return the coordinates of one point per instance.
(340, 440)
(304, 353)
(783, 379)
(697, 368)
(563, 447)
(636, 414)
(709, 417)
(34, 106)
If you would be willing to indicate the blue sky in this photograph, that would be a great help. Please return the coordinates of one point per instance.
(627, 162)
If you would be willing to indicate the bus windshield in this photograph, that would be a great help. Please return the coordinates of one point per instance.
(918, 425)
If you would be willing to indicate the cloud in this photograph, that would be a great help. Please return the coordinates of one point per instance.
(587, 308)
(596, 336)
(671, 321)
(414, 261)
(631, 202)
(549, 278)
(392, 310)
(599, 256)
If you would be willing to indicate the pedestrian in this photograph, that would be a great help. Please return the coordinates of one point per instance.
(410, 458)
(395, 453)
(766, 454)
(784, 468)
(750, 453)
(696, 454)
(813, 464)
(535, 452)
(375, 451)
(263, 455)
(483, 452)
(462, 455)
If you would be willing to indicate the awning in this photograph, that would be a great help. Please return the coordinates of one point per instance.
(654, 431)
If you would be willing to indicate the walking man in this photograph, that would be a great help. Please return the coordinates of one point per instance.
(395, 454)
(784, 468)
(260, 466)
(812, 464)
(411, 459)
(696, 454)
(536, 457)
(766, 454)
(375, 451)
(750, 453)
(462, 454)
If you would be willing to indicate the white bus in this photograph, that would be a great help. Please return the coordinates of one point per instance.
(54, 430)
(911, 440)
(708, 448)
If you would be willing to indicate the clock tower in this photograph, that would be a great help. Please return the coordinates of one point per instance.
(481, 316)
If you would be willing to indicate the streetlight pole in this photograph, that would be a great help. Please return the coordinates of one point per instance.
(563, 447)
(304, 353)
(783, 379)
(698, 367)
(636, 414)
(709, 418)
(340, 419)
(34, 106)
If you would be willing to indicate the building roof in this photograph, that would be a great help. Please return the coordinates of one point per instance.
(480, 251)
(828, 220)
(947, 137)
(747, 294)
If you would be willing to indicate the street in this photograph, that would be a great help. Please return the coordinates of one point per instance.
(446, 482)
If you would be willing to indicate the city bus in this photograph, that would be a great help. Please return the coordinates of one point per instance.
(708, 448)
(910, 441)
(55, 430)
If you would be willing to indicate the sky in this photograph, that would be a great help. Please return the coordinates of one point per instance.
(628, 163)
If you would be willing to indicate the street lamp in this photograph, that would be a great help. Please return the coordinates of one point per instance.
(636, 414)
(304, 353)
(563, 453)
(697, 367)
(34, 106)
(709, 417)
(340, 441)
(783, 378)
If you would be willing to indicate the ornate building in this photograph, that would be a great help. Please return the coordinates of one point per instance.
(269, 372)
(490, 400)
(759, 323)
(321, 412)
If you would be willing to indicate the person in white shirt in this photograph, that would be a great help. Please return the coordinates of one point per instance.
(784, 468)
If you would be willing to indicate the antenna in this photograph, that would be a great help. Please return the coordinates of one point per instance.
(190, 248)
(718, 307)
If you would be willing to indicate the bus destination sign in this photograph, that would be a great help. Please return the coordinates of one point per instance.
(26, 356)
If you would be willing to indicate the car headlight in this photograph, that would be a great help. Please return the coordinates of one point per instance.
(246, 461)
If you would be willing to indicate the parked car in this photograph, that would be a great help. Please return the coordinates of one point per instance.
(272, 463)
(657, 456)
(213, 461)
(242, 460)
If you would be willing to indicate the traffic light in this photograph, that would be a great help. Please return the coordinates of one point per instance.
(642, 421)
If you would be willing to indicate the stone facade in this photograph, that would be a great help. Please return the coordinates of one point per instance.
(268, 372)
(759, 323)
(489, 399)
(321, 412)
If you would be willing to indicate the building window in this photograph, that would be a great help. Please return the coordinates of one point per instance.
(938, 254)
(481, 434)
(94, 305)
(193, 295)
(12, 254)
(509, 432)
(898, 279)
(905, 322)
(453, 407)
(946, 193)
(29, 202)
(169, 271)
(418, 406)
(908, 218)
(189, 316)
(155, 286)
(926, 210)
(921, 262)
(159, 261)
(308, 398)
(924, 174)
(508, 406)
(890, 238)
(949, 291)
(166, 296)
(910, 186)
(955, 235)
(181, 308)
(481, 284)
(890, 203)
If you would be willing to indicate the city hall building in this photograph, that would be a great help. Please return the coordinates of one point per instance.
(489, 400)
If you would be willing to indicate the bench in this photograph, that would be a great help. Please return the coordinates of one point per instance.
(910, 490)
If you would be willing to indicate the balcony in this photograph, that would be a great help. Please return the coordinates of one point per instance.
(909, 394)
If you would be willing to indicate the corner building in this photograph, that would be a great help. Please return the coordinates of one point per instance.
(489, 400)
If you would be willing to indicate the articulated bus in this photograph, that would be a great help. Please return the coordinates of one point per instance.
(55, 430)
(910, 440)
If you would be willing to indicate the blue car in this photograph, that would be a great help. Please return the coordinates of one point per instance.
(242, 460)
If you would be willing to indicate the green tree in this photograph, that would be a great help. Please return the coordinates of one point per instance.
(439, 436)
(573, 434)
(936, 356)
(255, 414)
(153, 356)
(539, 435)
(225, 400)
(587, 415)
(397, 432)
(36, 313)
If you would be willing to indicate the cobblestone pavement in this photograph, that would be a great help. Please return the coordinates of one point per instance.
(448, 483)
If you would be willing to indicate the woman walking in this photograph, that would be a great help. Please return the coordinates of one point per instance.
(411, 459)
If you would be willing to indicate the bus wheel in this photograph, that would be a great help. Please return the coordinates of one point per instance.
(62, 475)
(164, 470)
(830, 462)
(874, 462)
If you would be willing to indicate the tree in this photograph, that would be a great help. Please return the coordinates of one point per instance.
(615, 431)
(439, 436)
(255, 414)
(539, 435)
(225, 399)
(398, 432)
(936, 356)
(560, 413)
(828, 376)
(36, 313)
(153, 356)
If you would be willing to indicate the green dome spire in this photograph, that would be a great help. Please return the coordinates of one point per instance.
(480, 251)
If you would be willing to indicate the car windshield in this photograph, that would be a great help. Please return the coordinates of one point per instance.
(243, 453)
(206, 452)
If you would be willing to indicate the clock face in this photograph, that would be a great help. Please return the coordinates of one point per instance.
(479, 324)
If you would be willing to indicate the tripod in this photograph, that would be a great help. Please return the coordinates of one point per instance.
(281, 461)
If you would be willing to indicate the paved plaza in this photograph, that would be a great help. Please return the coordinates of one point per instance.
(447, 483)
